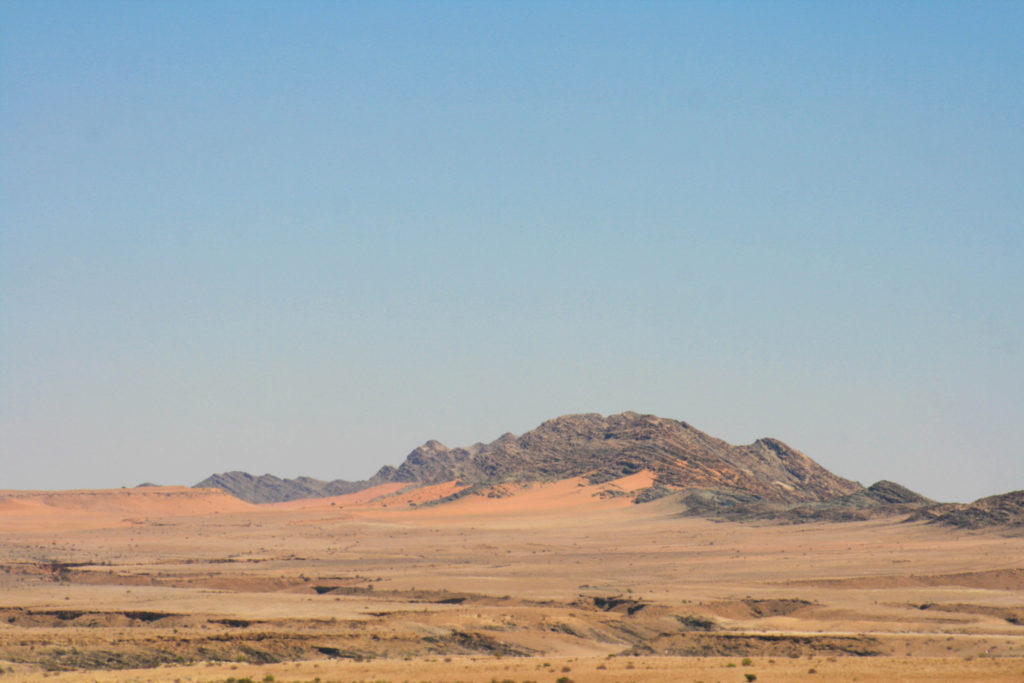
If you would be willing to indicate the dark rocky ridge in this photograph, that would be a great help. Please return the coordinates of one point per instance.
(1004, 510)
(270, 489)
(882, 499)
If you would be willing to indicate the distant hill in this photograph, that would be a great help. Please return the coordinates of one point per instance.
(270, 489)
(881, 499)
(1004, 510)
(700, 474)
(599, 448)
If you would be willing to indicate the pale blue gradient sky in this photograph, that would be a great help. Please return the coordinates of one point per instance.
(304, 238)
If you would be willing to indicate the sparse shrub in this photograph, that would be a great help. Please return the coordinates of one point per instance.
(566, 669)
(696, 622)
(564, 679)
(747, 661)
(731, 665)
(751, 677)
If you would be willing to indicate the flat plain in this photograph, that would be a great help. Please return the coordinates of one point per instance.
(548, 581)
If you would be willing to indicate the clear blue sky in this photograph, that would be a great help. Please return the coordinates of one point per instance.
(305, 237)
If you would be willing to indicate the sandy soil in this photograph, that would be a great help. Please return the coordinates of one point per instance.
(168, 583)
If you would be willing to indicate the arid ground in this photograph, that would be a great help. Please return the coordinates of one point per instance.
(553, 581)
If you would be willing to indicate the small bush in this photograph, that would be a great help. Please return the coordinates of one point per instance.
(747, 661)
(751, 677)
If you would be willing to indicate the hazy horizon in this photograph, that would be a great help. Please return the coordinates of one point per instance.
(304, 238)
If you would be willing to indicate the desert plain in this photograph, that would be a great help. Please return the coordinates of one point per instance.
(557, 581)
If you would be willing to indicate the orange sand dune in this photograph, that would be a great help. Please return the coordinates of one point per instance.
(358, 498)
(633, 482)
(118, 507)
(427, 494)
(79, 508)
(549, 499)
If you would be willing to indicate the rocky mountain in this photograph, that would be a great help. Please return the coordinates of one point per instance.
(605, 448)
(679, 456)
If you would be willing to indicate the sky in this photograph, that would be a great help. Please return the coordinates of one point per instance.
(305, 237)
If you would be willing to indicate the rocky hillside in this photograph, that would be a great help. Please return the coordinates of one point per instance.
(593, 446)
